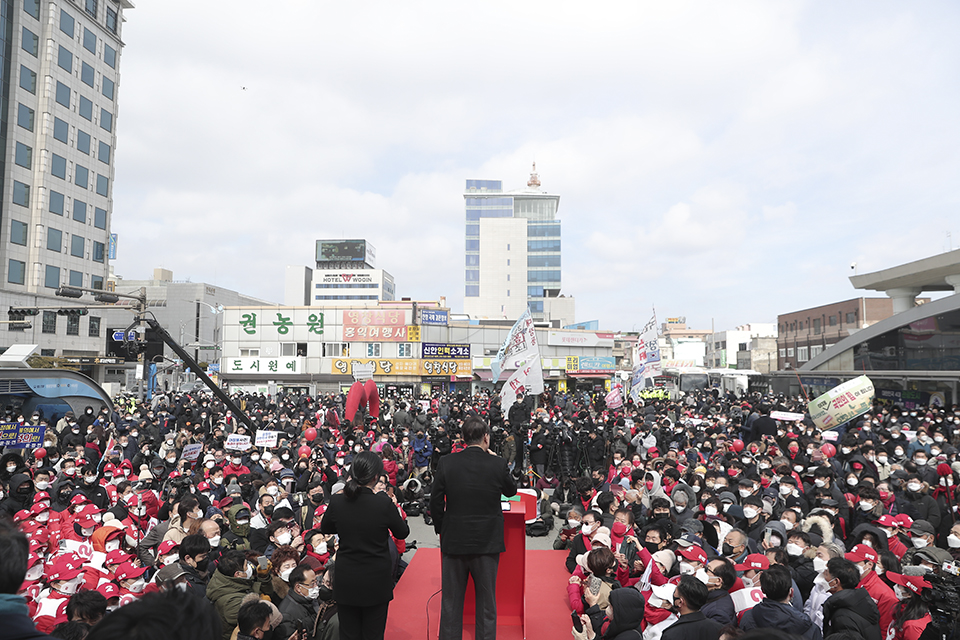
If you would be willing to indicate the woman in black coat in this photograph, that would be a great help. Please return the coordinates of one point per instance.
(363, 573)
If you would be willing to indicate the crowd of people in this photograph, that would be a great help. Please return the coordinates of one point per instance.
(697, 518)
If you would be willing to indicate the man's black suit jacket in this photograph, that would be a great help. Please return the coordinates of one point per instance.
(465, 503)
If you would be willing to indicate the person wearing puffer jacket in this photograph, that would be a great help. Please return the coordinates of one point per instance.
(775, 611)
(681, 509)
(627, 608)
(652, 487)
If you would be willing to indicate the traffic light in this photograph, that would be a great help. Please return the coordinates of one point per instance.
(72, 311)
(69, 292)
(21, 312)
(107, 298)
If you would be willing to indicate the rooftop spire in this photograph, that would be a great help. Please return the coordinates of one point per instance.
(534, 180)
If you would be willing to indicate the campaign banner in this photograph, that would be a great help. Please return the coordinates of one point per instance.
(445, 351)
(521, 345)
(191, 452)
(527, 379)
(267, 438)
(434, 316)
(842, 403)
(614, 398)
(237, 442)
(591, 364)
(21, 436)
(786, 416)
(746, 599)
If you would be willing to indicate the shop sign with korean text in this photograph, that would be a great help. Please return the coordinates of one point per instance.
(445, 351)
(382, 366)
(261, 366)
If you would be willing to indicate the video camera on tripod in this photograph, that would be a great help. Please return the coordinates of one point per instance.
(943, 601)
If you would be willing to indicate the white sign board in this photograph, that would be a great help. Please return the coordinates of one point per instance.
(842, 403)
(786, 416)
(579, 339)
(267, 438)
(191, 452)
(237, 442)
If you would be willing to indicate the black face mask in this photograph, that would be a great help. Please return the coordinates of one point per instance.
(652, 547)
(203, 564)
(326, 593)
(268, 511)
(24, 490)
(727, 550)
(316, 498)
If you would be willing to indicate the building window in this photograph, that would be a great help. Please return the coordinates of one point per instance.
(98, 251)
(249, 353)
(535, 292)
(54, 240)
(16, 272)
(83, 141)
(30, 42)
(851, 318)
(106, 120)
(81, 176)
(63, 94)
(87, 74)
(90, 41)
(66, 23)
(815, 350)
(25, 117)
(472, 276)
(56, 202)
(90, 6)
(61, 131)
(104, 153)
(373, 349)
(110, 56)
(58, 166)
(73, 325)
(94, 330)
(783, 353)
(24, 156)
(99, 218)
(28, 79)
(52, 277)
(18, 232)
(336, 349)
(107, 87)
(21, 194)
(49, 324)
(65, 59)
(802, 354)
(404, 350)
(789, 352)
(536, 307)
(75, 278)
(112, 19)
(473, 245)
(508, 246)
(96, 282)
(833, 321)
(32, 8)
(86, 108)
(103, 185)
(80, 211)
(76, 246)
(473, 260)
(472, 291)
(816, 326)
(549, 260)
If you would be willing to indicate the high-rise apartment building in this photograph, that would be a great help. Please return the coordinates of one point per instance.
(61, 72)
(513, 253)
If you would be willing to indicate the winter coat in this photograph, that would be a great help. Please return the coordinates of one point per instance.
(720, 607)
(881, 594)
(16, 501)
(657, 492)
(852, 610)
(227, 593)
(803, 572)
(770, 614)
(692, 626)
(295, 608)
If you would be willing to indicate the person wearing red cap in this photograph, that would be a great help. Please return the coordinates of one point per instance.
(889, 526)
(64, 578)
(911, 615)
(866, 560)
(130, 578)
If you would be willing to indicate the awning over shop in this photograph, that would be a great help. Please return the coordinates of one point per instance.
(487, 376)
(596, 376)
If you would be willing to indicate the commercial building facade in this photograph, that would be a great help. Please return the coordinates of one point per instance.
(513, 253)
(723, 346)
(345, 270)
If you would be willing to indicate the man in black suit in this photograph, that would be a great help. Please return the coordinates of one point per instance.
(467, 515)
(689, 596)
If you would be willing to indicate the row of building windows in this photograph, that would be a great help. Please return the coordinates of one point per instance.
(538, 260)
(543, 245)
(19, 232)
(476, 214)
(803, 353)
(349, 286)
(543, 230)
(543, 276)
(817, 323)
(17, 274)
(111, 20)
(28, 82)
(346, 297)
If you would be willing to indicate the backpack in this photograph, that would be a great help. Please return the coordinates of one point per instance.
(541, 526)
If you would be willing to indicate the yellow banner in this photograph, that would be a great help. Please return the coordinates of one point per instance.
(413, 333)
(436, 367)
(382, 367)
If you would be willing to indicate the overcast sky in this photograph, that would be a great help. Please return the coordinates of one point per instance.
(721, 161)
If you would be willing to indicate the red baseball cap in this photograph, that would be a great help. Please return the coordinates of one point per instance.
(65, 567)
(166, 547)
(118, 557)
(694, 553)
(914, 583)
(109, 590)
(754, 561)
(887, 520)
(129, 570)
(904, 521)
(861, 552)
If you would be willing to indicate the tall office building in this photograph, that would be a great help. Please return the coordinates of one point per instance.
(346, 270)
(513, 253)
(61, 71)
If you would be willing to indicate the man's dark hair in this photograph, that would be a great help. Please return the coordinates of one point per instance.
(74, 630)
(802, 535)
(776, 583)
(193, 546)
(14, 553)
(777, 556)
(296, 576)
(473, 430)
(161, 616)
(844, 571)
(604, 500)
(693, 591)
(231, 562)
(187, 504)
(726, 572)
(628, 514)
(86, 606)
(252, 616)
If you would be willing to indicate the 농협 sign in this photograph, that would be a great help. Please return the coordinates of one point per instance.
(455, 351)
(267, 438)
(842, 403)
(434, 316)
(21, 436)
(786, 416)
(237, 442)
(579, 339)
(385, 367)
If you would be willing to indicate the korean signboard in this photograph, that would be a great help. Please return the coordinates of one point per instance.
(447, 351)
(280, 323)
(17, 436)
(347, 278)
(591, 364)
(382, 367)
(434, 316)
(381, 334)
(579, 339)
(436, 367)
(262, 365)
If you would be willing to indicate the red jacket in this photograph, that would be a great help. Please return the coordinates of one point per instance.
(896, 546)
(882, 594)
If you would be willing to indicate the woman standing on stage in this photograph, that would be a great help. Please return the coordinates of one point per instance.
(363, 573)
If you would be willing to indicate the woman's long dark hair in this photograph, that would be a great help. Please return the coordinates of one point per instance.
(366, 466)
(913, 608)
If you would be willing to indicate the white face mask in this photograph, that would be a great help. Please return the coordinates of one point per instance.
(138, 585)
(87, 532)
(170, 559)
(852, 482)
(285, 574)
(586, 529)
(680, 508)
(882, 459)
(914, 486)
(314, 592)
(284, 538)
(794, 549)
(272, 490)
(702, 576)
(71, 586)
(866, 543)
(236, 461)
(43, 485)
(820, 565)
(249, 573)
(111, 545)
(572, 524)
(687, 569)
(919, 543)
(267, 456)
(322, 548)
(845, 450)
(862, 569)
(710, 511)
(210, 464)
(215, 541)
(747, 582)
(35, 572)
(866, 506)
(953, 541)
(11, 468)
(785, 489)
(745, 493)
(750, 513)
(787, 525)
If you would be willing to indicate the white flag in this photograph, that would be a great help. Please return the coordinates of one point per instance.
(520, 344)
(527, 379)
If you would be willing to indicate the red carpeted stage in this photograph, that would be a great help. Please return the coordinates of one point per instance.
(545, 600)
